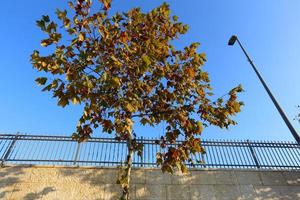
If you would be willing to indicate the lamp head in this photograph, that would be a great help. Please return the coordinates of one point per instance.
(232, 40)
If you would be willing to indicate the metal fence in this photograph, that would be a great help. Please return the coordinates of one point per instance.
(61, 150)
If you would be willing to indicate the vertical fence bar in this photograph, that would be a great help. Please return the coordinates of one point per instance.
(230, 150)
(292, 154)
(290, 162)
(270, 148)
(76, 153)
(226, 147)
(109, 152)
(253, 154)
(142, 155)
(238, 150)
(9, 149)
(148, 157)
(118, 153)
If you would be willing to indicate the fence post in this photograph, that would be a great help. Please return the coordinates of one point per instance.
(9, 149)
(253, 154)
(142, 151)
(76, 153)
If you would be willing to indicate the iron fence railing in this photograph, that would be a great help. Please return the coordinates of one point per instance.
(62, 150)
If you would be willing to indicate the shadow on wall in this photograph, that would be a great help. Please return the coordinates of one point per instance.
(20, 182)
(40, 194)
(9, 176)
(100, 184)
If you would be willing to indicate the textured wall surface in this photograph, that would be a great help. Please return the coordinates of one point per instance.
(147, 184)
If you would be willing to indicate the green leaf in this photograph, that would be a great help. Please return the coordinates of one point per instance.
(41, 24)
(41, 80)
(46, 18)
(50, 27)
(146, 60)
(54, 84)
(71, 31)
(47, 88)
(63, 102)
(185, 28)
(184, 169)
(199, 127)
(61, 14)
(178, 165)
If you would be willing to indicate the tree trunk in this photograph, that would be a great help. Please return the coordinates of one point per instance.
(127, 170)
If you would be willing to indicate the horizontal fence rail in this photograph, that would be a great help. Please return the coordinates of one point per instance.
(62, 150)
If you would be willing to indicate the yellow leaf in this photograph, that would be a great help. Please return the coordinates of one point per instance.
(44, 64)
(129, 108)
(114, 58)
(44, 44)
(116, 82)
(67, 23)
(237, 107)
(81, 37)
(75, 100)
(146, 60)
(190, 72)
(184, 169)
(199, 127)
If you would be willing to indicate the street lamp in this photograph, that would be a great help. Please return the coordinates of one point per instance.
(231, 42)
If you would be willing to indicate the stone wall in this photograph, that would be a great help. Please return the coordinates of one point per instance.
(59, 183)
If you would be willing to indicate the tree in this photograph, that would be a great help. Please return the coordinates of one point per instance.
(123, 67)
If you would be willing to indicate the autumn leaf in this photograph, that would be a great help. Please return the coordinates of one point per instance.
(130, 108)
(199, 127)
(184, 169)
(41, 80)
(75, 100)
(190, 72)
(115, 82)
(63, 102)
(46, 18)
(46, 42)
(106, 4)
(81, 37)
(146, 60)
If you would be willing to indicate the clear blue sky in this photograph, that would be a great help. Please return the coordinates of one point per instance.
(270, 31)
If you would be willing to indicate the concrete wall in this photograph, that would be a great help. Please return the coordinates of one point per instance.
(147, 184)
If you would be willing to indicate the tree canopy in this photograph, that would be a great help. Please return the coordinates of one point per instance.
(123, 68)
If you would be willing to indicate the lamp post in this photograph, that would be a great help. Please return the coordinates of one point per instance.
(231, 42)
